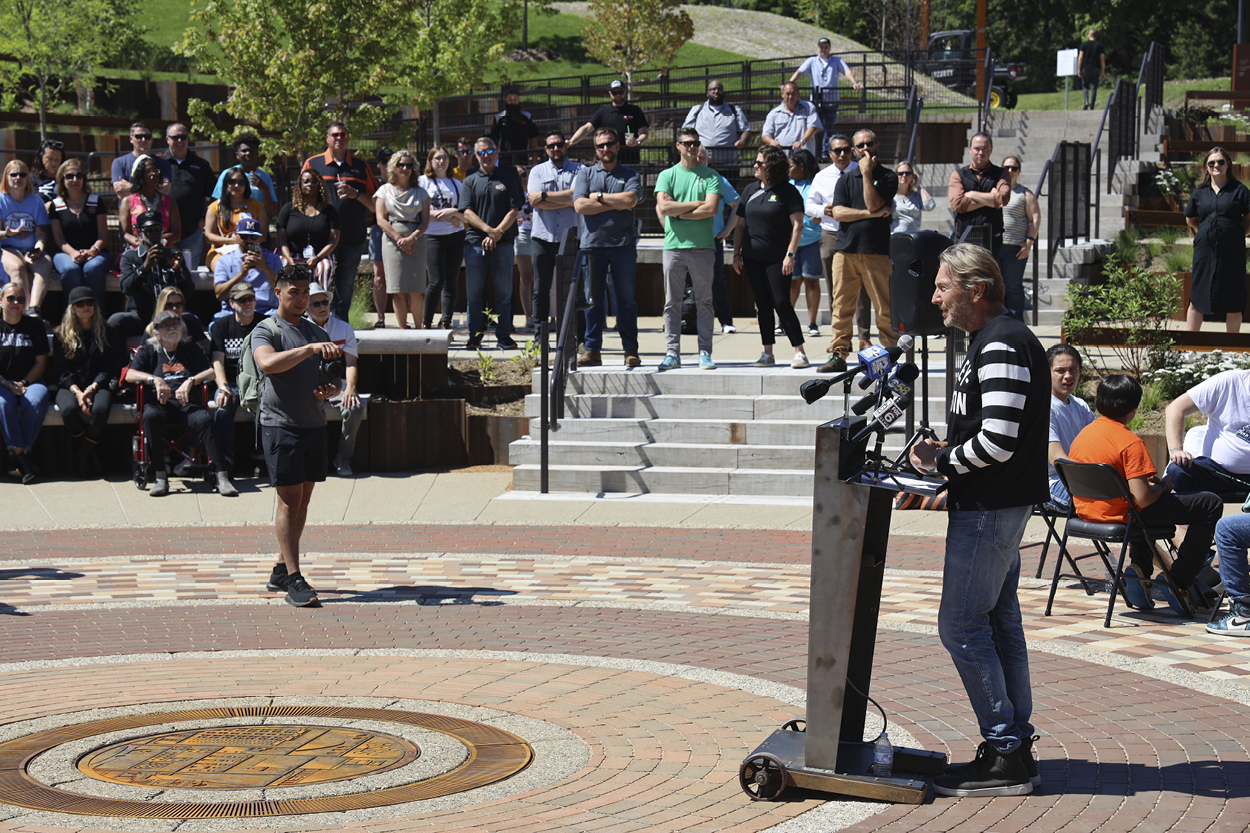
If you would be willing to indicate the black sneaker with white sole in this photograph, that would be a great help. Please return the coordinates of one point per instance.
(1030, 763)
(991, 774)
(298, 591)
(277, 578)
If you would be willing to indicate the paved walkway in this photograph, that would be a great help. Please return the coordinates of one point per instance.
(667, 652)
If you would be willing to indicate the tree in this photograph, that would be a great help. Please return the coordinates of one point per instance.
(628, 36)
(54, 44)
(447, 47)
(295, 65)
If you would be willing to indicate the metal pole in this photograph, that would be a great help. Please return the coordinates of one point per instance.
(543, 460)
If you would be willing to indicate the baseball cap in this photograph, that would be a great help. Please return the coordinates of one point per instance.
(242, 289)
(315, 288)
(512, 91)
(822, 41)
(148, 219)
(616, 85)
(81, 293)
(248, 225)
(165, 315)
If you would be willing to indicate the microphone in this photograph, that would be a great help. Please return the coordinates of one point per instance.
(885, 416)
(876, 360)
(898, 383)
(814, 389)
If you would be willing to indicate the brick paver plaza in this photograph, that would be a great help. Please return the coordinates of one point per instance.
(657, 657)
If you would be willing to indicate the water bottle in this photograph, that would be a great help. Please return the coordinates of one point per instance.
(882, 756)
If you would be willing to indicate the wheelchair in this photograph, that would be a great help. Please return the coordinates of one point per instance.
(184, 454)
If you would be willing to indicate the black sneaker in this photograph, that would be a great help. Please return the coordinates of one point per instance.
(835, 365)
(299, 593)
(508, 344)
(277, 578)
(1030, 763)
(991, 773)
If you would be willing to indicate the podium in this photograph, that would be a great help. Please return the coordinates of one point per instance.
(850, 534)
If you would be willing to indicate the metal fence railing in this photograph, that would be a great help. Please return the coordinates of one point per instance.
(1072, 175)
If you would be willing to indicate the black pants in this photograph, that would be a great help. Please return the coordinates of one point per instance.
(772, 294)
(1200, 511)
(156, 416)
(545, 258)
(76, 422)
(720, 288)
(443, 255)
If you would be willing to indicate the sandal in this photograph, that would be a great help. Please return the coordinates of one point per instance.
(379, 325)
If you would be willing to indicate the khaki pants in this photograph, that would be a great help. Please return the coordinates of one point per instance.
(863, 307)
(850, 273)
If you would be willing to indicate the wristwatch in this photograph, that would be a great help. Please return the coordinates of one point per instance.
(599, 197)
(790, 254)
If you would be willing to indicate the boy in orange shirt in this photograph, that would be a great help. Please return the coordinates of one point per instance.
(1108, 440)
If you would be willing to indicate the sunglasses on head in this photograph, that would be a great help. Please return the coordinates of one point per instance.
(52, 144)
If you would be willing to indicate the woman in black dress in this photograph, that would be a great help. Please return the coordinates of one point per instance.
(766, 246)
(1219, 215)
(308, 228)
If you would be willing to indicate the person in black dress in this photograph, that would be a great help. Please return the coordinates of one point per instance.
(1219, 215)
(766, 246)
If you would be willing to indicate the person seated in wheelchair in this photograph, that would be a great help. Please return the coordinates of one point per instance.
(1108, 440)
(176, 369)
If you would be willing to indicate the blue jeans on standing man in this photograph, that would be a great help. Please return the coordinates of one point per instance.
(623, 262)
(497, 263)
(979, 620)
(22, 417)
(348, 260)
(90, 274)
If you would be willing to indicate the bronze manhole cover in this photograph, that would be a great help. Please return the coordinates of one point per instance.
(493, 756)
(248, 757)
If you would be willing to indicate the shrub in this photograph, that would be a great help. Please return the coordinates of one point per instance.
(1175, 377)
(1179, 258)
(1135, 302)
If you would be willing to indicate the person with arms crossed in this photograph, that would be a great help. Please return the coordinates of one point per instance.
(995, 459)
(551, 195)
(293, 421)
(979, 192)
(490, 201)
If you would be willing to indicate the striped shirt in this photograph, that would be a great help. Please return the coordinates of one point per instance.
(999, 421)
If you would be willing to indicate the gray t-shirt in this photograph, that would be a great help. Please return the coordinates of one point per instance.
(609, 228)
(289, 400)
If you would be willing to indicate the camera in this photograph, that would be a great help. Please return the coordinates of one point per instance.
(332, 372)
(251, 248)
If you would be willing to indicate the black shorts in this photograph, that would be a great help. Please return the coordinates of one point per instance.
(294, 455)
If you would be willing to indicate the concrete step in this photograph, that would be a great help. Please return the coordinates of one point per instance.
(765, 432)
(676, 406)
(665, 479)
(667, 455)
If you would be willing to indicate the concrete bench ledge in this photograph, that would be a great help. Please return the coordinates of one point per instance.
(202, 277)
(396, 342)
(127, 413)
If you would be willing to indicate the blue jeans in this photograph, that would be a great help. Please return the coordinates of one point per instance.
(1232, 536)
(1204, 475)
(497, 264)
(193, 243)
(90, 274)
(1059, 495)
(623, 262)
(979, 620)
(347, 260)
(22, 417)
(223, 426)
(1013, 279)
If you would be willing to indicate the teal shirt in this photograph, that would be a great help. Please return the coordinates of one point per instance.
(689, 186)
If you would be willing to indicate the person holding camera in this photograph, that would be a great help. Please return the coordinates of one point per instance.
(146, 271)
(248, 264)
(349, 403)
(291, 351)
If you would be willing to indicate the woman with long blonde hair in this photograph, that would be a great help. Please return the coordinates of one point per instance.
(87, 363)
(172, 298)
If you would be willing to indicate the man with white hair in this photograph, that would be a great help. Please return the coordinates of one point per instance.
(347, 401)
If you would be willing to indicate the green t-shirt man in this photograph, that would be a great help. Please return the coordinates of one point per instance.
(689, 185)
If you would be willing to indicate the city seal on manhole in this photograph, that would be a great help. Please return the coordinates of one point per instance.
(248, 757)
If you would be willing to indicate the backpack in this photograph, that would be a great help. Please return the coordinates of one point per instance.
(251, 379)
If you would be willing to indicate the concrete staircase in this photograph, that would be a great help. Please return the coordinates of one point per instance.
(737, 430)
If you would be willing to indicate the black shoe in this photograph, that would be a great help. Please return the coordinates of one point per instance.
(508, 344)
(300, 594)
(991, 773)
(1030, 763)
(25, 466)
(473, 344)
(835, 365)
(277, 578)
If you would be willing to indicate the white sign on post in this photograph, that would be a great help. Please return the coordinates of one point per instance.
(1065, 62)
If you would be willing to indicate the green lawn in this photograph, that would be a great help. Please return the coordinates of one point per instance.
(1173, 94)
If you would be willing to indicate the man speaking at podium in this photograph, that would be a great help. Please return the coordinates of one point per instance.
(995, 458)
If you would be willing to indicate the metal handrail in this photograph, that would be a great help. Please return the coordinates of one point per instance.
(1050, 243)
(991, 64)
(1057, 204)
(915, 104)
(552, 397)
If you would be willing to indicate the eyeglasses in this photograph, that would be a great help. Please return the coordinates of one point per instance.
(15, 299)
(168, 326)
(175, 305)
(486, 153)
(75, 175)
(840, 151)
(1011, 167)
(556, 145)
(319, 304)
(181, 137)
(863, 145)
(141, 137)
(1215, 163)
(690, 144)
(606, 145)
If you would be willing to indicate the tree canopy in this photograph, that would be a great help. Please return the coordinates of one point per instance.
(626, 36)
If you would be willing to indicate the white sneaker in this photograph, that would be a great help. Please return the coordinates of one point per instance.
(779, 331)
(728, 328)
(813, 330)
(800, 361)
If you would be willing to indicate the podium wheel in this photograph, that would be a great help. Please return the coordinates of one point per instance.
(796, 725)
(763, 777)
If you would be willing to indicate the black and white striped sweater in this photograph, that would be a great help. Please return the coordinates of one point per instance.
(998, 420)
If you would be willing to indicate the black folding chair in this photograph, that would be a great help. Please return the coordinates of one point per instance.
(1100, 481)
(1050, 513)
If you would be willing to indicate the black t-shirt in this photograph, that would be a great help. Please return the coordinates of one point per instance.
(20, 345)
(185, 362)
(81, 230)
(871, 236)
(191, 187)
(227, 336)
(624, 119)
(1091, 66)
(491, 198)
(767, 210)
(302, 230)
(512, 131)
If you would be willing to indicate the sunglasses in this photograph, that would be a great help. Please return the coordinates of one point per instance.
(142, 137)
(15, 299)
(319, 304)
(1011, 167)
(168, 326)
(556, 145)
(231, 183)
(464, 153)
(618, 92)
(338, 135)
(485, 153)
(863, 145)
(405, 166)
(181, 137)
(175, 305)
(758, 163)
(53, 144)
(17, 175)
(75, 175)
(606, 145)
(905, 173)
(840, 151)
(246, 299)
(1215, 163)
(691, 144)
